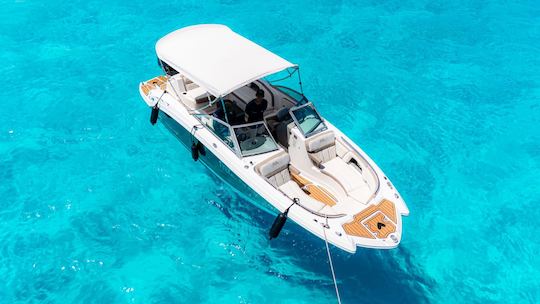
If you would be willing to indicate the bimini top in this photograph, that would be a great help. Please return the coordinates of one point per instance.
(216, 58)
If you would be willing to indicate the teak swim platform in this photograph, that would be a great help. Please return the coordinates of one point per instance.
(376, 221)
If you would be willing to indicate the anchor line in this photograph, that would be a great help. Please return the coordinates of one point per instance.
(330, 261)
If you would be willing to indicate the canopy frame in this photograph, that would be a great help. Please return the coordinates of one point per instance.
(218, 59)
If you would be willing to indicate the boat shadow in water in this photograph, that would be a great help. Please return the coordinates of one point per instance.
(369, 275)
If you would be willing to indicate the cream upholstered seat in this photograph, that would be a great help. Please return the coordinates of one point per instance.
(323, 152)
(276, 169)
(175, 86)
(322, 148)
(276, 172)
(349, 177)
(189, 93)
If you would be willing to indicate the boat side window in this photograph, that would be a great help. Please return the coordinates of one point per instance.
(254, 138)
(219, 128)
(295, 95)
(308, 120)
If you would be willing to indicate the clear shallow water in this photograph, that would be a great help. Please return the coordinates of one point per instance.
(97, 206)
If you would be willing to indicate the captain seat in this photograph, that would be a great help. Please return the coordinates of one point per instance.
(283, 127)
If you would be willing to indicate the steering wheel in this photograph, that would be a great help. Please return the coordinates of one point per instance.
(242, 137)
(252, 143)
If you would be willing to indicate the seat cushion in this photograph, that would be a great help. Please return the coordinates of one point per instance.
(348, 177)
(276, 169)
(323, 155)
(322, 148)
(321, 142)
(361, 194)
(191, 86)
(279, 178)
(274, 165)
(292, 190)
(175, 87)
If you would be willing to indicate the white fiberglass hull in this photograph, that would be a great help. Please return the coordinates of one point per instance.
(239, 173)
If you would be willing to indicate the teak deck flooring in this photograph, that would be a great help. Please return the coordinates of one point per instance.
(316, 192)
(160, 81)
(376, 221)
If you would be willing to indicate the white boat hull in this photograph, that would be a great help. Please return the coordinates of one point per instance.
(239, 174)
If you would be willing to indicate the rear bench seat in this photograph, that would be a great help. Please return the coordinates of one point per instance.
(192, 95)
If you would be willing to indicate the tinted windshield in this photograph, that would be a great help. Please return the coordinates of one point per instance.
(308, 120)
(297, 96)
(254, 139)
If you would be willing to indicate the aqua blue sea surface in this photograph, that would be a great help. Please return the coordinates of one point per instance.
(97, 206)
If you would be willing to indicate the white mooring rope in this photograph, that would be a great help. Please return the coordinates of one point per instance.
(330, 260)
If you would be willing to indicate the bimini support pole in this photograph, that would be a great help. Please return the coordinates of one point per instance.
(325, 226)
(224, 110)
(300, 81)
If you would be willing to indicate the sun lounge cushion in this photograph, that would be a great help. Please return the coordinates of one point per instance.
(348, 177)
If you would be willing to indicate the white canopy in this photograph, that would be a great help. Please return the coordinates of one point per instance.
(216, 58)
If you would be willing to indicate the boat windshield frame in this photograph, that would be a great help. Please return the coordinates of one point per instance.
(236, 147)
(241, 153)
(314, 131)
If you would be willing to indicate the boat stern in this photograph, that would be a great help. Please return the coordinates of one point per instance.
(150, 90)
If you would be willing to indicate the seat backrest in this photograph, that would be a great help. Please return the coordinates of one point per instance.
(276, 169)
(283, 114)
(282, 132)
(322, 147)
(191, 86)
(175, 86)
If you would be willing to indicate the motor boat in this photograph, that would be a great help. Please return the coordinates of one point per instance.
(287, 159)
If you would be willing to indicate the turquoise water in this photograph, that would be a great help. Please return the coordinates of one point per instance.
(97, 206)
